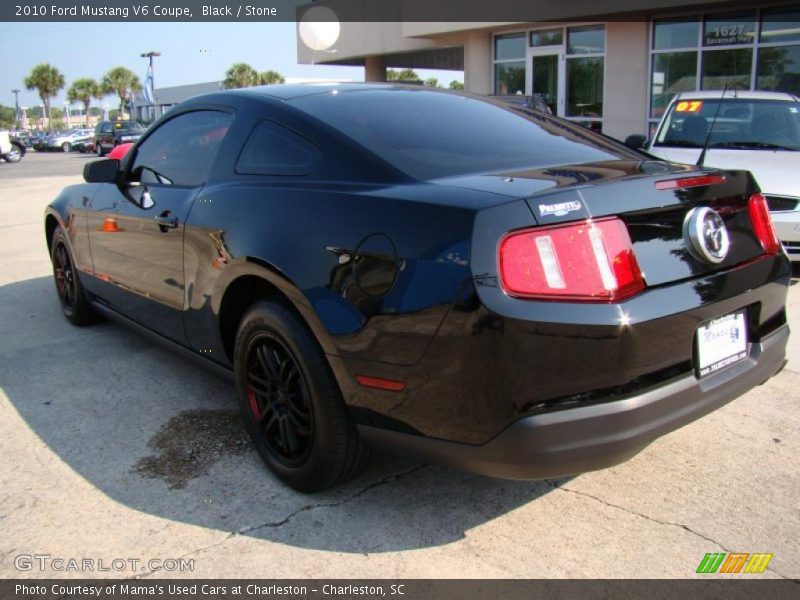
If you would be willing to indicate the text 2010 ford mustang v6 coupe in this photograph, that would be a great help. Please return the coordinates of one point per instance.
(461, 281)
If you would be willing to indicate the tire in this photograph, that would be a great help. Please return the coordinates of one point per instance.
(14, 155)
(290, 401)
(65, 147)
(98, 148)
(71, 295)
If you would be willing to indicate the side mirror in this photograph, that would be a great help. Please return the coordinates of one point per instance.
(101, 171)
(636, 141)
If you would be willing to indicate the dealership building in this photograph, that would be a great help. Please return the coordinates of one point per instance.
(614, 71)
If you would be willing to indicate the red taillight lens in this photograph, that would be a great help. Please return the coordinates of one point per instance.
(762, 224)
(590, 261)
(687, 182)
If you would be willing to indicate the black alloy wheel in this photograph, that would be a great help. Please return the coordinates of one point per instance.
(290, 400)
(74, 304)
(65, 276)
(279, 400)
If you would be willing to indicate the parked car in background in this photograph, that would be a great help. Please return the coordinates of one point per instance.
(757, 131)
(109, 134)
(443, 275)
(39, 140)
(22, 136)
(66, 141)
(10, 150)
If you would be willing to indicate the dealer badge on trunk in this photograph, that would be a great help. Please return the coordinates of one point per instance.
(706, 235)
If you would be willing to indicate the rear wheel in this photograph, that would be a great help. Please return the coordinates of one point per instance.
(291, 403)
(73, 300)
(98, 148)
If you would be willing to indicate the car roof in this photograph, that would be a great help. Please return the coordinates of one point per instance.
(298, 90)
(732, 94)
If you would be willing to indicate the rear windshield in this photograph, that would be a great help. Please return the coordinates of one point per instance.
(428, 134)
(740, 124)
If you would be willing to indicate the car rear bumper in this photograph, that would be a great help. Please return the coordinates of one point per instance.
(787, 226)
(593, 437)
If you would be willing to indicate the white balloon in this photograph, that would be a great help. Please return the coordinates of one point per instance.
(319, 28)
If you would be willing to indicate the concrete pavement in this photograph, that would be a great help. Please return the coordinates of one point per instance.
(113, 448)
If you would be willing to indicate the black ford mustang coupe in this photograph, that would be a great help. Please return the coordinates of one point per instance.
(461, 281)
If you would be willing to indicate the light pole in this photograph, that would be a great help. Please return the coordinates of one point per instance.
(16, 106)
(66, 106)
(151, 75)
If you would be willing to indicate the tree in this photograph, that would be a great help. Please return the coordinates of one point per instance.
(83, 90)
(456, 85)
(432, 82)
(121, 82)
(48, 81)
(270, 77)
(404, 75)
(241, 75)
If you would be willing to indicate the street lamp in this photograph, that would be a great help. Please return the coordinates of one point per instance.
(66, 106)
(151, 78)
(16, 106)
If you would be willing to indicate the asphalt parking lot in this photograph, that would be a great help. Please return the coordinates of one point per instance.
(113, 448)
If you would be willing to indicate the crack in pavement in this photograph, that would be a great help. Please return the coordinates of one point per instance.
(554, 485)
(277, 524)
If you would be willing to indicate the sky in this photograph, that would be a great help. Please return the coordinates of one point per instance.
(190, 53)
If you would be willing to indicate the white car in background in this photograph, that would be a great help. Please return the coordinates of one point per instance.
(65, 141)
(10, 150)
(756, 131)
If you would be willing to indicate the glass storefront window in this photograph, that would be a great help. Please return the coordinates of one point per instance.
(780, 25)
(675, 33)
(779, 69)
(729, 29)
(673, 72)
(547, 37)
(509, 77)
(509, 46)
(586, 40)
(585, 87)
(731, 67)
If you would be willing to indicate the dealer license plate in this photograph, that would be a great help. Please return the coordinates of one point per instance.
(721, 343)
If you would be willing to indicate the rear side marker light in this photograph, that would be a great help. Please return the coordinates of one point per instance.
(762, 224)
(380, 383)
(688, 182)
(587, 261)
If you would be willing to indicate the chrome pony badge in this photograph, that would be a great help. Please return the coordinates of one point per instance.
(559, 210)
(706, 235)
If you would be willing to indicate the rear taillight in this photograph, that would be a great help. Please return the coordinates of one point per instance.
(762, 224)
(588, 261)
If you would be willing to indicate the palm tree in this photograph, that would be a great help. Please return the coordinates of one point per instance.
(241, 75)
(270, 77)
(121, 81)
(48, 81)
(404, 75)
(83, 90)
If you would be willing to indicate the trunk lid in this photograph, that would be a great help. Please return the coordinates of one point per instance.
(654, 217)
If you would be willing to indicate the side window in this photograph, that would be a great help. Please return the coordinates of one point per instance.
(274, 150)
(182, 150)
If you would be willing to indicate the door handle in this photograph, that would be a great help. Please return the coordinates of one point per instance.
(166, 221)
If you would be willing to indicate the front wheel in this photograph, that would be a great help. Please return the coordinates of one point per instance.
(71, 295)
(99, 149)
(14, 155)
(290, 401)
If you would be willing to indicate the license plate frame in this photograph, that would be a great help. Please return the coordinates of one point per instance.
(721, 343)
